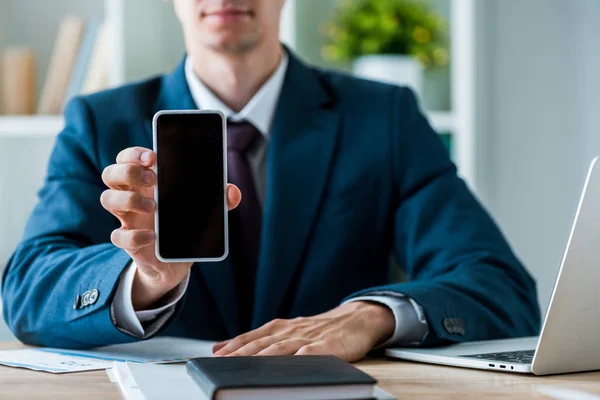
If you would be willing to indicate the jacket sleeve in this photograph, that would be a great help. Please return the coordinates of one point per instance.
(66, 251)
(461, 270)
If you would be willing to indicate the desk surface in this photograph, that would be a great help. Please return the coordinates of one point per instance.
(405, 380)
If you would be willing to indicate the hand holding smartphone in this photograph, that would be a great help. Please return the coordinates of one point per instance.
(198, 169)
(191, 183)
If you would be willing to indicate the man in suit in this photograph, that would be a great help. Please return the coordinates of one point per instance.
(344, 173)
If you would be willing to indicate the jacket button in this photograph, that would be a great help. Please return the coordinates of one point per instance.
(93, 297)
(77, 300)
(454, 326)
(85, 301)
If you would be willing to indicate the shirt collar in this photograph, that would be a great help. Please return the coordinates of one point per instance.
(261, 108)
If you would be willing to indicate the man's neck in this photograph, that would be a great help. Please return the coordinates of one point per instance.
(236, 77)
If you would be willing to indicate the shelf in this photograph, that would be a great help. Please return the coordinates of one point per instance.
(30, 126)
(442, 122)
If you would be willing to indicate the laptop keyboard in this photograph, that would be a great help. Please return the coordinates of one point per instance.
(515, 357)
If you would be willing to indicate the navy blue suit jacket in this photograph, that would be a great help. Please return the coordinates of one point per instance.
(354, 174)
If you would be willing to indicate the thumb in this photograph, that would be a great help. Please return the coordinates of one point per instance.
(234, 197)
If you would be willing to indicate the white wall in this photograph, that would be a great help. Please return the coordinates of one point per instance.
(542, 127)
(589, 82)
(153, 38)
(23, 165)
(4, 15)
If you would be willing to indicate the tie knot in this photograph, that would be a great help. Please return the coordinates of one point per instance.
(240, 136)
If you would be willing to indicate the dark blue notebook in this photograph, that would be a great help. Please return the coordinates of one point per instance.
(280, 377)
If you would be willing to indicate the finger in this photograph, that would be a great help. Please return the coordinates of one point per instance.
(234, 196)
(132, 239)
(120, 201)
(284, 348)
(242, 340)
(119, 176)
(257, 346)
(220, 345)
(313, 349)
(137, 155)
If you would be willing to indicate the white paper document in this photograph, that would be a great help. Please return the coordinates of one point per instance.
(169, 381)
(126, 383)
(158, 350)
(50, 362)
(150, 381)
(112, 375)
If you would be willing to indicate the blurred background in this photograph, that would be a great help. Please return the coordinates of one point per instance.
(512, 87)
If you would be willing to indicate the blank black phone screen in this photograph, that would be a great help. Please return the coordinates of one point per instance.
(190, 185)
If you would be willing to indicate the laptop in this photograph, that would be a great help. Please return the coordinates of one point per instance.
(570, 336)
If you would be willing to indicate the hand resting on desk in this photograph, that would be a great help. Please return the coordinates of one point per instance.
(130, 198)
(348, 331)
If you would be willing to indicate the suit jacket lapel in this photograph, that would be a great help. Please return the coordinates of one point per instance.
(219, 277)
(303, 141)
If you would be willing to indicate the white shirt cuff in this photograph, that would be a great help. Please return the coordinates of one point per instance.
(411, 324)
(129, 320)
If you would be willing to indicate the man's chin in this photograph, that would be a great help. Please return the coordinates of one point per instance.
(233, 44)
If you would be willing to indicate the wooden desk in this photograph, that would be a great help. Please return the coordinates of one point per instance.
(405, 380)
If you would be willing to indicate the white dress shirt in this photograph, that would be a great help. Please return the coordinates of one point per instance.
(411, 325)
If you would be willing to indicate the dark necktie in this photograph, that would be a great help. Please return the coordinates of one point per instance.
(245, 220)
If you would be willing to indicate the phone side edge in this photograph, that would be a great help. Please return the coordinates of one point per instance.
(155, 149)
(225, 182)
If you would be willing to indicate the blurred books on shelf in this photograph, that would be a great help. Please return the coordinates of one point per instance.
(82, 61)
(62, 61)
(17, 81)
(96, 78)
(79, 64)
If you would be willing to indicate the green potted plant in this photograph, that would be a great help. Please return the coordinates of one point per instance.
(388, 40)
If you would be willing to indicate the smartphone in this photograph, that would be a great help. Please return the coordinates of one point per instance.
(191, 183)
